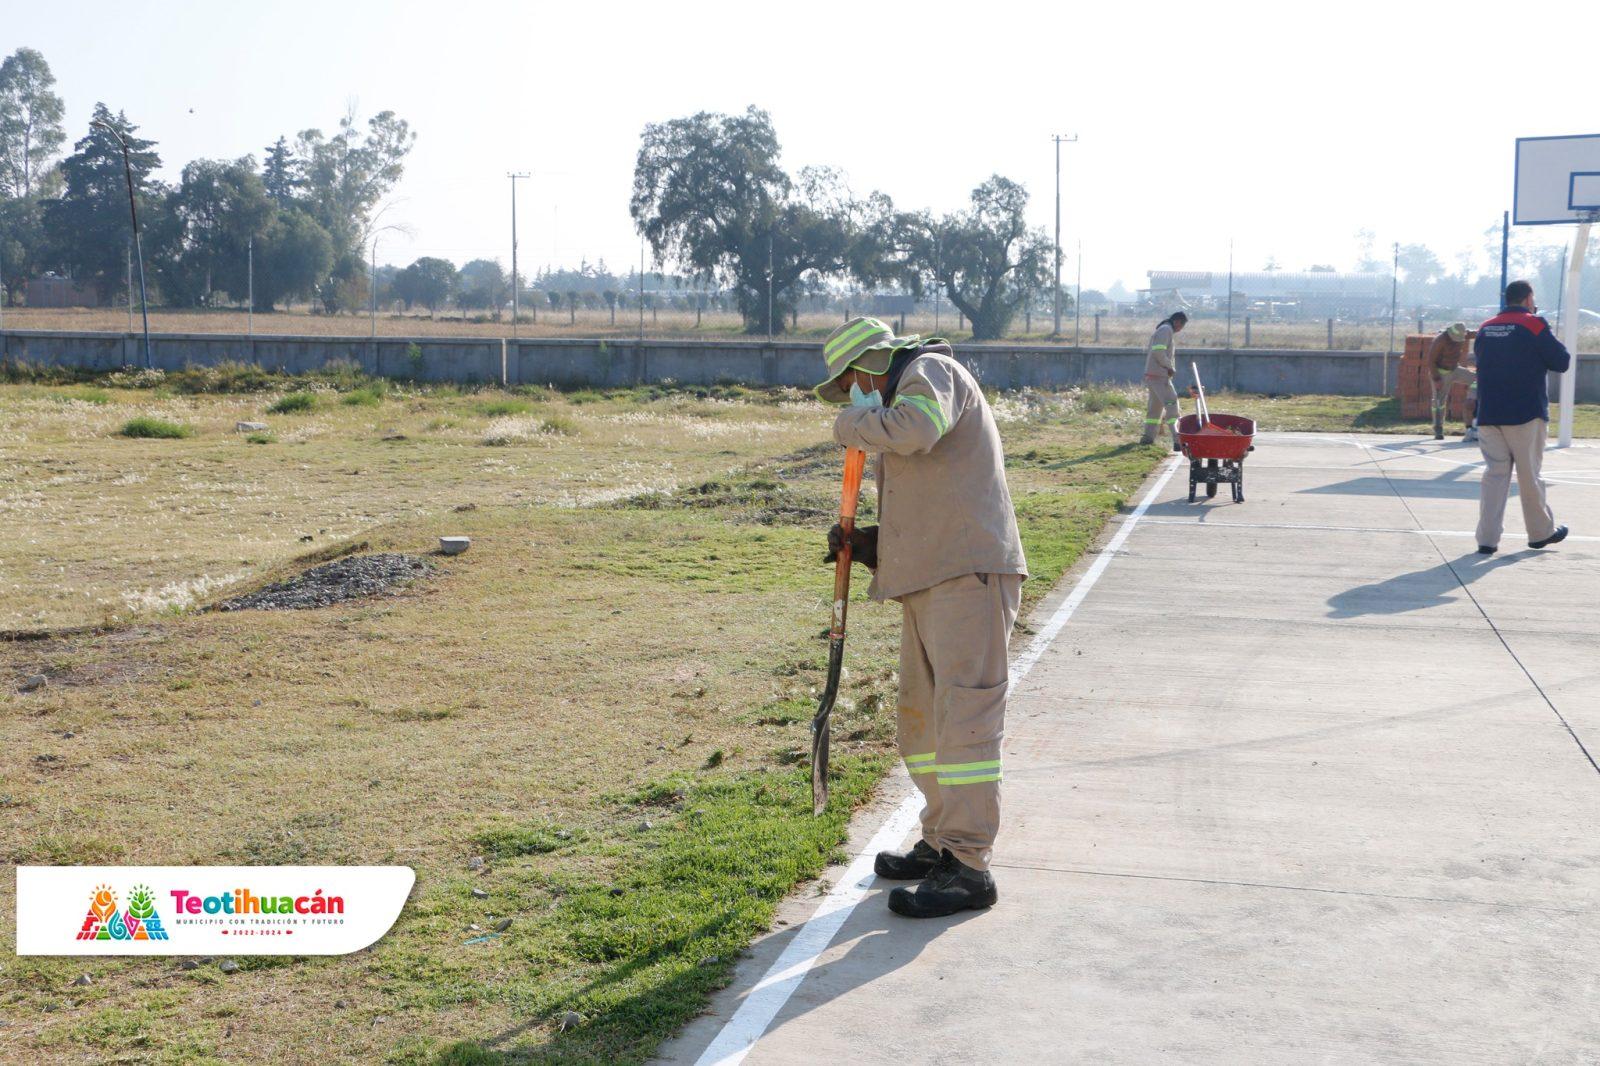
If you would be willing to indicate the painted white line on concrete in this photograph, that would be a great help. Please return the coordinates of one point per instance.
(763, 1002)
(1297, 527)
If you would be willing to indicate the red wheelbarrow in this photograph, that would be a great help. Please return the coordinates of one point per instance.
(1215, 446)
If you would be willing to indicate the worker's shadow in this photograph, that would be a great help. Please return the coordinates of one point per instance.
(1418, 590)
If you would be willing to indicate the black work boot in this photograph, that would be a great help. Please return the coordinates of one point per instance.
(912, 865)
(951, 887)
(1555, 538)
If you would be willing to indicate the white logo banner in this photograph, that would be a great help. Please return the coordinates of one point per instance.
(206, 910)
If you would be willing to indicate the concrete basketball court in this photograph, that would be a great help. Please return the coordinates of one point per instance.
(1303, 779)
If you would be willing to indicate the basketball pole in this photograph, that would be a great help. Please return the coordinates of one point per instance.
(1571, 320)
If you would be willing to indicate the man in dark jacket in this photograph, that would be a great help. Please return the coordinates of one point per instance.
(1516, 351)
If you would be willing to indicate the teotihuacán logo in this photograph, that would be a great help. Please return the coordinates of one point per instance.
(105, 922)
(182, 910)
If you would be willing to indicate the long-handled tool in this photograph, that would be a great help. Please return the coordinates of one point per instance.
(855, 462)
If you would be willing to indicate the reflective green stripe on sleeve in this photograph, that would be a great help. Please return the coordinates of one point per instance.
(927, 406)
(1158, 347)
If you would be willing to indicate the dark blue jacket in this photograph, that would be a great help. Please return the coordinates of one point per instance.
(1516, 349)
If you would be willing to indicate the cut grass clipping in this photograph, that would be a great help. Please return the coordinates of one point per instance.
(158, 428)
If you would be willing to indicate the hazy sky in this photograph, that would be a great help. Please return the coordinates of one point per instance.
(1283, 129)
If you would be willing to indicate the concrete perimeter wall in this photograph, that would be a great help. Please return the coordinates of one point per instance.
(620, 363)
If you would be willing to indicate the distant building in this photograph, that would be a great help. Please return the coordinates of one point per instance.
(53, 290)
(1312, 294)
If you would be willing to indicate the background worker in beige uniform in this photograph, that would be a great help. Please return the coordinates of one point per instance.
(1445, 361)
(947, 548)
(1160, 367)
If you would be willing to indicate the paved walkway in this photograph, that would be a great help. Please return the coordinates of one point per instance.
(1300, 780)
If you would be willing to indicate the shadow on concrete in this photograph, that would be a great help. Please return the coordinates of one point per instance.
(1418, 590)
(881, 942)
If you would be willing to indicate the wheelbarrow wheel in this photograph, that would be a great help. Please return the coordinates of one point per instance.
(1211, 478)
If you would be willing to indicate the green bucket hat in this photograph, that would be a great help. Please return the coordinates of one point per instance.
(864, 343)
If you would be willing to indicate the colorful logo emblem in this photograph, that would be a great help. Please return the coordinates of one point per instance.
(139, 922)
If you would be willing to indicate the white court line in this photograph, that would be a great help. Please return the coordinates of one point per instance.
(1297, 527)
(762, 1004)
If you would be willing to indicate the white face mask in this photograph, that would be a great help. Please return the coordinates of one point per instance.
(864, 399)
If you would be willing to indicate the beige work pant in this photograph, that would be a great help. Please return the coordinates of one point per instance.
(1504, 448)
(953, 679)
(1161, 410)
(1442, 384)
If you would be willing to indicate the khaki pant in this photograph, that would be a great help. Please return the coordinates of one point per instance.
(1442, 384)
(1504, 448)
(953, 679)
(1161, 411)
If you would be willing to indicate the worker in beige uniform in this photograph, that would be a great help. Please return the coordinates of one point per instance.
(946, 547)
(1445, 362)
(1160, 367)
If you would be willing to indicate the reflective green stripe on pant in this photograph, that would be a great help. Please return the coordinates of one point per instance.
(953, 680)
(1161, 409)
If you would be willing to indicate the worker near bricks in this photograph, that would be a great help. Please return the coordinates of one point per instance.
(1516, 351)
(1160, 367)
(1445, 361)
(946, 547)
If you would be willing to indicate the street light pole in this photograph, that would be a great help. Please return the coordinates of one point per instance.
(138, 244)
(515, 306)
(1070, 139)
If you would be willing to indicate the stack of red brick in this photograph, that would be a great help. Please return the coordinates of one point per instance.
(1416, 391)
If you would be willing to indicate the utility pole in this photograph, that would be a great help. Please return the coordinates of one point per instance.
(769, 286)
(1505, 252)
(641, 289)
(1058, 139)
(133, 213)
(372, 288)
(130, 286)
(1394, 303)
(250, 272)
(1230, 294)
(515, 284)
(1077, 300)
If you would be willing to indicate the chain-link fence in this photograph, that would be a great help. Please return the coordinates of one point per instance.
(1321, 308)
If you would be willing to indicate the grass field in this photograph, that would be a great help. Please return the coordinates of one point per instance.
(1205, 331)
(606, 699)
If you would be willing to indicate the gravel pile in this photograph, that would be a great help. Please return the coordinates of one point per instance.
(351, 578)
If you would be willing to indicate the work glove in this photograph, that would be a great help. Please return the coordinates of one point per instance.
(863, 545)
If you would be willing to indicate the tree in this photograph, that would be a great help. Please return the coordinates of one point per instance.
(1419, 264)
(30, 121)
(428, 281)
(346, 176)
(217, 208)
(708, 193)
(482, 283)
(986, 259)
(89, 226)
(293, 257)
(279, 173)
(23, 242)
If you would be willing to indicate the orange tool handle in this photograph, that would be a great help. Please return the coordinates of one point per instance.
(855, 464)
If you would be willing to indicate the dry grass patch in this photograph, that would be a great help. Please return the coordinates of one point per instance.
(607, 704)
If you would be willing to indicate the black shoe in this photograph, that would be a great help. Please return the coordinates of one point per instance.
(1437, 435)
(1555, 538)
(950, 888)
(1484, 549)
(913, 865)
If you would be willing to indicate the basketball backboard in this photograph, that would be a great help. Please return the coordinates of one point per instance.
(1557, 180)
